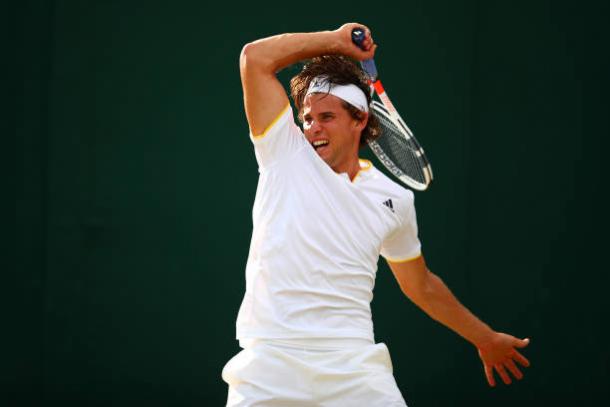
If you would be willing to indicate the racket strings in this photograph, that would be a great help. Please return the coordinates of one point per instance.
(399, 152)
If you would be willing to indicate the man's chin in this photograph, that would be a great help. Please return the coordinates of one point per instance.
(324, 157)
(323, 153)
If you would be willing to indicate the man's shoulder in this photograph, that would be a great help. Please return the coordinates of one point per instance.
(283, 122)
(382, 183)
(280, 140)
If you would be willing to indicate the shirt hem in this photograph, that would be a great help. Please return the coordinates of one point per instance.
(404, 260)
(271, 125)
(369, 336)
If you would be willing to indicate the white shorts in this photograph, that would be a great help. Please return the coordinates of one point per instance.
(282, 373)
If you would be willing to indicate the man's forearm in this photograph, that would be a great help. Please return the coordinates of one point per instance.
(438, 302)
(275, 53)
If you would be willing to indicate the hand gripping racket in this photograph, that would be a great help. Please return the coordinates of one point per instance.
(396, 147)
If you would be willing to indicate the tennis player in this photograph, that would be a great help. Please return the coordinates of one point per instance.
(322, 217)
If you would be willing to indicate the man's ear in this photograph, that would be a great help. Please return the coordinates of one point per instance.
(362, 122)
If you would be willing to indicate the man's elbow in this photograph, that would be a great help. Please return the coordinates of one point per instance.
(251, 57)
(246, 54)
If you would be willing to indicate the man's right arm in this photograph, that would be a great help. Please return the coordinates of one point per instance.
(264, 95)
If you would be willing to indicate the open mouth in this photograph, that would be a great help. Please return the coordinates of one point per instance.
(318, 144)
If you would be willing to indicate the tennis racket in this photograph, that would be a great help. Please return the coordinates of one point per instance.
(396, 147)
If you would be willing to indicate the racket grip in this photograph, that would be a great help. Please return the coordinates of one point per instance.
(368, 65)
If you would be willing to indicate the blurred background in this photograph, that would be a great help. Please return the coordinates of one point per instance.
(134, 180)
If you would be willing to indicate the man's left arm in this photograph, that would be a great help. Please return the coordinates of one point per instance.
(498, 351)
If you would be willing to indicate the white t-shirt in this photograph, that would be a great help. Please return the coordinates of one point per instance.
(316, 240)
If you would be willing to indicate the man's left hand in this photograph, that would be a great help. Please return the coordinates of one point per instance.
(500, 353)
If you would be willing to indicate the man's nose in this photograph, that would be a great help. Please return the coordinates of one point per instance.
(315, 127)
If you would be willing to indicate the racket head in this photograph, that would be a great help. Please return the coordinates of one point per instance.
(399, 151)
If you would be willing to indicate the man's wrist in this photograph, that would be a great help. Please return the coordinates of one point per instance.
(330, 42)
(483, 336)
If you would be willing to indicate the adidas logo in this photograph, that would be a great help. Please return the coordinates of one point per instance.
(388, 203)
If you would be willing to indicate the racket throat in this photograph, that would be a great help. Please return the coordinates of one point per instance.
(378, 87)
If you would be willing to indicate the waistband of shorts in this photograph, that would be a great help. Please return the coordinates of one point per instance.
(308, 343)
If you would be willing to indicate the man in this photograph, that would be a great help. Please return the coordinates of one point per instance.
(321, 219)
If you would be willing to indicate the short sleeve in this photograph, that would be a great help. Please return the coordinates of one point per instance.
(280, 140)
(403, 243)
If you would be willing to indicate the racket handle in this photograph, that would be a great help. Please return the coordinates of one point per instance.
(368, 65)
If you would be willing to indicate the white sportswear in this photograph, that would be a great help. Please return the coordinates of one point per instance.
(273, 373)
(316, 240)
(351, 93)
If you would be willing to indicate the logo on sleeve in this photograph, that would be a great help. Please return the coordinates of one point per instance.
(389, 204)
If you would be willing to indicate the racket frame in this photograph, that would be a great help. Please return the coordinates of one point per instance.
(392, 114)
(358, 37)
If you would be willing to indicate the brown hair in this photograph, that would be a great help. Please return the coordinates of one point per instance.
(342, 71)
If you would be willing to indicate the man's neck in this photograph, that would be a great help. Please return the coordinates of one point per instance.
(351, 168)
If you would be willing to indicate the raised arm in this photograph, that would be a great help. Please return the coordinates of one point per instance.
(259, 62)
(497, 350)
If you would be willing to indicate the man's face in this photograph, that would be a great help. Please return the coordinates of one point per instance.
(331, 130)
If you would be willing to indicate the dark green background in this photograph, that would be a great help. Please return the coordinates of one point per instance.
(134, 181)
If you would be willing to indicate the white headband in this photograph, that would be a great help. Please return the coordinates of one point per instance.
(351, 93)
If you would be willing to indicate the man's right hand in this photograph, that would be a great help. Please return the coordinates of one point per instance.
(347, 46)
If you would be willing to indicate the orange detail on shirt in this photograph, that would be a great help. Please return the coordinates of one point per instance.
(264, 133)
(367, 166)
